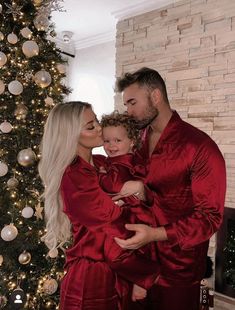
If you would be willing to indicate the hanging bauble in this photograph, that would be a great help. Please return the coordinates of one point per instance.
(1, 260)
(9, 232)
(37, 2)
(21, 111)
(15, 87)
(0, 8)
(27, 212)
(42, 78)
(41, 22)
(5, 127)
(3, 301)
(17, 298)
(49, 101)
(30, 48)
(53, 253)
(12, 38)
(61, 68)
(12, 183)
(50, 286)
(2, 87)
(26, 157)
(3, 59)
(24, 258)
(26, 33)
(1, 36)
(3, 169)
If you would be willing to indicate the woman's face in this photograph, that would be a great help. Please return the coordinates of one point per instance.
(91, 132)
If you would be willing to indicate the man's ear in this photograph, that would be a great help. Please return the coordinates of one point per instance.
(155, 96)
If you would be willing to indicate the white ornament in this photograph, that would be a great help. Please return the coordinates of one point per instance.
(53, 253)
(3, 169)
(30, 48)
(9, 232)
(61, 68)
(49, 101)
(1, 261)
(15, 87)
(12, 38)
(3, 59)
(1, 36)
(26, 33)
(2, 87)
(42, 78)
(50, 286)
(27, 212)
(12, 183)
(26, 157)
(5, 127)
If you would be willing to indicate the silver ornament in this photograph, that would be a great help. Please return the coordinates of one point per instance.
(30, 48)
(24, 258)
(9, 232)
(27, 212)
(26, 157)
(3, 59)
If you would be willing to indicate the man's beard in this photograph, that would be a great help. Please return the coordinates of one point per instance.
(151, 114)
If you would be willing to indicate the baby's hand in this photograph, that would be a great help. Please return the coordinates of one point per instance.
(138, 293)
(102, 170)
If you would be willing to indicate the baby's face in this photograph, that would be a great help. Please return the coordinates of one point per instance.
(116, 141)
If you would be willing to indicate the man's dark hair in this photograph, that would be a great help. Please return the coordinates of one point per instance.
(147, 77)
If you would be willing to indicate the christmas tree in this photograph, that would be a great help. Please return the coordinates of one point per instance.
(31, 73)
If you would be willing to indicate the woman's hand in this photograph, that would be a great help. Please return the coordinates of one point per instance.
(138, 293)
(131, 188)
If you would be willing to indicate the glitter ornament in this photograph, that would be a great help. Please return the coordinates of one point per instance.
(12, 183)
(9, 232)
(42, 78)
(15, 87)
(5, 127)
(3, 169)
(50, 286)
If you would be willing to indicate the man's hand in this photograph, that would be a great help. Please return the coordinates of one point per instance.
(143, 234)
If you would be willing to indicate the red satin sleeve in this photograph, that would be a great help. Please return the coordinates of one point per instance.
(208, 189)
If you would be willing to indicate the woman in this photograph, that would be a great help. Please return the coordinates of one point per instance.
(74, 199)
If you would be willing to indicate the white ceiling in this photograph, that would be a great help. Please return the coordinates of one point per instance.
(94, 21)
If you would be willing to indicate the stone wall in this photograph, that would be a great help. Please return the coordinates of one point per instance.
(192, 45)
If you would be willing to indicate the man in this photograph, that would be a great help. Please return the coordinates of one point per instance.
(186, 174)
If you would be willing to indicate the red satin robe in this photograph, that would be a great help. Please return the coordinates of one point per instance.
(90, 282)
(187, 175)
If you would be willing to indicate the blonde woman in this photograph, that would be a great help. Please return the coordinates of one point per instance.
(75, 203)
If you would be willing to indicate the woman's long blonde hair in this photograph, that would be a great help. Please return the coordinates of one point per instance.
(58, 150)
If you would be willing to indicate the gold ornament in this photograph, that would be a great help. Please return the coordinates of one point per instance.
(38, 212)
(26, 157)
(50, 286)
(21, 111)
(24, 258)
(42, 78)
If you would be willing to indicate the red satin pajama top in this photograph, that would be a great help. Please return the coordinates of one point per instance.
(187, 174)
(95, 220)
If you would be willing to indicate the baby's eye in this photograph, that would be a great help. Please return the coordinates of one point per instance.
(118, 140)
(106, 141)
